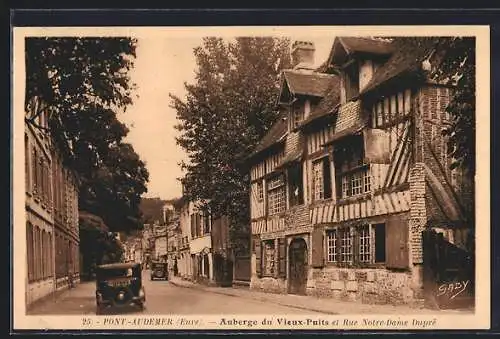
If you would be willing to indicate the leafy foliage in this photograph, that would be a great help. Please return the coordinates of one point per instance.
(227, 111)
(98, 246)
(152, 210)
(458, 68)
(82, 83)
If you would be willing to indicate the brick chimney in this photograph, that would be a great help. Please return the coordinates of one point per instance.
(302, 54)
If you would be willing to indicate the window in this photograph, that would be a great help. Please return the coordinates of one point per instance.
(269, 257)
(351, 81)
(331, 243)
(193, 225)
(206, 222)
(198, 224)
(298, 115)
(352, 175)
(34, 170)
(321, 182)
(362, 245)
(27, 163)
(295, 185)
(356, 183)
(345, 245)
(276, 195)
(29, 250)
(260, 191)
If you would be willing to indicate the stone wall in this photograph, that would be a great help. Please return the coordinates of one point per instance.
(372, 286)
(268, 284)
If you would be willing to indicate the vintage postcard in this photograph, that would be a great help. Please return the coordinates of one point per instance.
(251, 178)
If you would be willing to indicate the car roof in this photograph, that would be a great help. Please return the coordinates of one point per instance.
(118, 265)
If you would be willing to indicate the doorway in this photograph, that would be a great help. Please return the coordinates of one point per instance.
(298, 267)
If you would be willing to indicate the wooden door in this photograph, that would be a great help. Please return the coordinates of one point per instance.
(298, 267)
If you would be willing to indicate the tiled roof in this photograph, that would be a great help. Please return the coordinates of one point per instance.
(274, 135)
(295, 155)
(328, 104)
(366, 45)
(308, 83)
(408, 56)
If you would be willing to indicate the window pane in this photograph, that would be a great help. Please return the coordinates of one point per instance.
(345, 245)
(276, 199)
(364, 244)
(332, 246)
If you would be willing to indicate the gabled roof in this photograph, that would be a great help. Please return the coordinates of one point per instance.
(275, 135)
(327, 105)
(299, 83)
(345, 47)
(308, 83)
(407, 57)
(366, 45)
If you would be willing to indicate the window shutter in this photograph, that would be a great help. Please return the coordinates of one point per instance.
(258, 256)
(282, 257)
(396, 254)
(327, 180)
(317, 259)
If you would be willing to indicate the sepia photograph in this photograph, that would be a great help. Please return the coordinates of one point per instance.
(322, 177)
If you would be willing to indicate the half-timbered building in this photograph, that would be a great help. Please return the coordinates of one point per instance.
(345, 183)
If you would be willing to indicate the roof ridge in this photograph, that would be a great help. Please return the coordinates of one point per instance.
(315, 73)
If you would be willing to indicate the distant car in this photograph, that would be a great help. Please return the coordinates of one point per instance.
(119, 285)
(159, 270)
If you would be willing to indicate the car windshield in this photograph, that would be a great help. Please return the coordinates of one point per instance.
(158, 265)
(116, 273)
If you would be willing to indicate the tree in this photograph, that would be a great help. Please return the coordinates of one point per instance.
(82, 83)
(226, 112)
(458, 68)
(152, 210)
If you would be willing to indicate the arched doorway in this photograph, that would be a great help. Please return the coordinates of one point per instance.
(297, 258)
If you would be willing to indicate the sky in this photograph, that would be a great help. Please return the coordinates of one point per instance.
(162, 66)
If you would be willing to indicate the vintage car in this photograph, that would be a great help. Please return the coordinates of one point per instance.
(159, 270)
(119, 285)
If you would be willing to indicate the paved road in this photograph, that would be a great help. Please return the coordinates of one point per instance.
(162, 297)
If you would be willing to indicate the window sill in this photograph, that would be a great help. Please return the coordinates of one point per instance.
(357, 265)
(356, 198)
(277, 215)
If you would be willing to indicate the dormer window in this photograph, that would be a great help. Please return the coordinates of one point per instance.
(351, 81)
(297, 115)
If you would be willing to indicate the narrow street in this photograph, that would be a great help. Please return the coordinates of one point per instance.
(181, 297)
(162, 297)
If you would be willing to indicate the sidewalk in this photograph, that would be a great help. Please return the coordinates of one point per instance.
(78, 300)
(314, 304)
